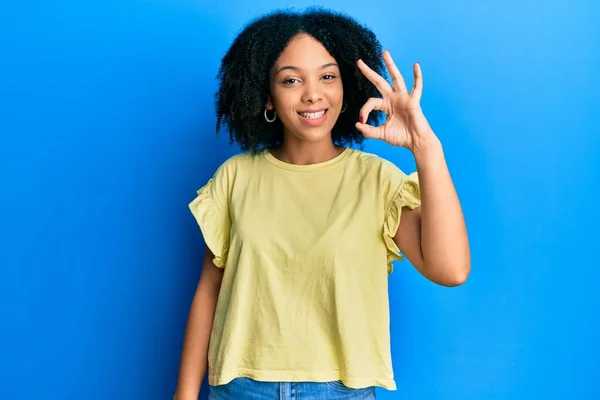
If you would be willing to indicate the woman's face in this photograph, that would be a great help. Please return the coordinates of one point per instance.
(306, 90)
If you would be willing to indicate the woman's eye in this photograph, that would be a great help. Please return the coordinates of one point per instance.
(290, 81)
(329, 77)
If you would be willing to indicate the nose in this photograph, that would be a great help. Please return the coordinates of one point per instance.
(312, 92)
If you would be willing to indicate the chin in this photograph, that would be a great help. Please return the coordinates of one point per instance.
(315, 136)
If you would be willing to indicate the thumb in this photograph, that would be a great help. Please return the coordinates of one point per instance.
(368, 130)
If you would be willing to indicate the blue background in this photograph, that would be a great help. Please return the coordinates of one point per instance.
(107, 129)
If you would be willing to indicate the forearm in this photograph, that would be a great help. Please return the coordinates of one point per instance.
(444, 241)
(194, 358)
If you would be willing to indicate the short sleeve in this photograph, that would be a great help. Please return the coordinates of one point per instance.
(210, 208)
(406, 194)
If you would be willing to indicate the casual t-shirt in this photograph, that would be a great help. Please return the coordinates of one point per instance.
(306, 252)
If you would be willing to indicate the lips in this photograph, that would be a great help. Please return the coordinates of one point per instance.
(313, 117)
(312, 114)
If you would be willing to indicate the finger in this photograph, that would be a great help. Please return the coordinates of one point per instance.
(373, 103)
(417, 90)
(397, 78)
(369, 131)
(381, 84)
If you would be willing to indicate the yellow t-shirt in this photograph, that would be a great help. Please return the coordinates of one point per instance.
(306, 252)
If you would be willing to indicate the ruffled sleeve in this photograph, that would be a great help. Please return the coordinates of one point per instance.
(212, 214)
(408, 195)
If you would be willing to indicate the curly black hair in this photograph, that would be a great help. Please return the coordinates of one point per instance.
(244, 73)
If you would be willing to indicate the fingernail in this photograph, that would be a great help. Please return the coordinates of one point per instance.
(361, 119)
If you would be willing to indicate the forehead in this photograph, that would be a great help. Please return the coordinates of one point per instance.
(304, 52)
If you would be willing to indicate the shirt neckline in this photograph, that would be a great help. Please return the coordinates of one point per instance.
(308, 167)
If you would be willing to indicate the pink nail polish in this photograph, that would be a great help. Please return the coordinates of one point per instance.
(361, 119)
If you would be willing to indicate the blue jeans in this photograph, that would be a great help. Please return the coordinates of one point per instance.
(249, 389)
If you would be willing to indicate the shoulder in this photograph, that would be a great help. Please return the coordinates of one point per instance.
(388, 176)
(239, 160)
(374, 163)
(233, 169)
(238, 163)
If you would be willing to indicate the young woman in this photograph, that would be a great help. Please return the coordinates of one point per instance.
(301, 229)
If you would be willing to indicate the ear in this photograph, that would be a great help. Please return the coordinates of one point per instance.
(269, 105)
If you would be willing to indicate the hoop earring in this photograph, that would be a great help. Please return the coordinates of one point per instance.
(274, 116)
(344, 107)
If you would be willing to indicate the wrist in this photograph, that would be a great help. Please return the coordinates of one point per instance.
(185, 395)
(426, 145)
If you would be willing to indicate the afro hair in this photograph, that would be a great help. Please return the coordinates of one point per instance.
(243, 78)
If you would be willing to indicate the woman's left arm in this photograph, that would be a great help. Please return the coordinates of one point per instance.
(433, 236)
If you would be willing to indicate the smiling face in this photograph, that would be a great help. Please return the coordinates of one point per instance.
(306, 90)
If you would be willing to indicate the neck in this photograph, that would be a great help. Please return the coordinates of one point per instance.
(306, 153)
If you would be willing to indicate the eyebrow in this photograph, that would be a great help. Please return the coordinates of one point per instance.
(298, 69)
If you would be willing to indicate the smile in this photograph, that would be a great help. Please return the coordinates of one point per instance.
(313, 118)
(314, 115)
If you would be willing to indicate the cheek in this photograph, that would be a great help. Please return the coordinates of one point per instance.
(341, 89)
(285, 103)
(337, 93)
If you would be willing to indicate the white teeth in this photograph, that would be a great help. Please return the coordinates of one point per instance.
(313, 115)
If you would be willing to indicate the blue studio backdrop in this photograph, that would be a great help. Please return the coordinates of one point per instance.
(107, 129)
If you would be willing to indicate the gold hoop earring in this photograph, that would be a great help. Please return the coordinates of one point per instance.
(344, 107)
(274, 116)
